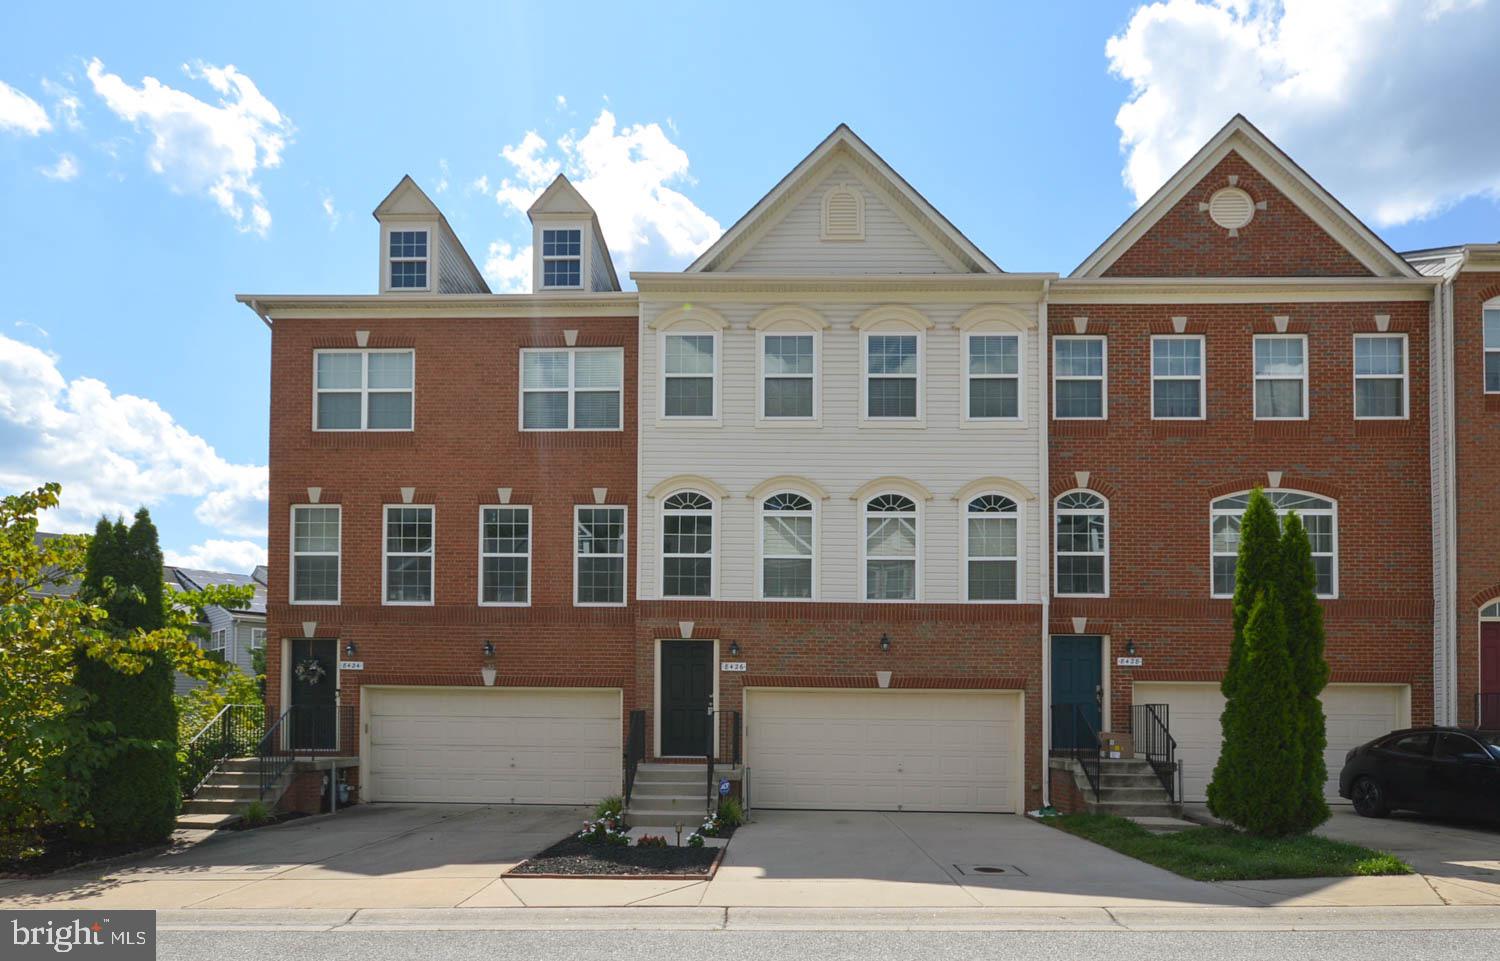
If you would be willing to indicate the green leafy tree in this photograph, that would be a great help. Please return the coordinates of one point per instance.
(1305, 642)
(1257, 567)
(1254, 782)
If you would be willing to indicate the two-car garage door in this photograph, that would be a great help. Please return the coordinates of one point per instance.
(492, 745)
(885, 750)
(1355, 713)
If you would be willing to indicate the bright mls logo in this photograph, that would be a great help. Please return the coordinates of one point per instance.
(126, 935)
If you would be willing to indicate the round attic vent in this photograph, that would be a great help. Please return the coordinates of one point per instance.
(1231, 208)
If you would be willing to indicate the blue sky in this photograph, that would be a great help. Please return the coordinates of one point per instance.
(136, 209)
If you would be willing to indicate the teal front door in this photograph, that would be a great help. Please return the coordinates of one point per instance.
(1077, 681)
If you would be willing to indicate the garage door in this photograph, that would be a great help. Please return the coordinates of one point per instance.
(1355, 713)
(503, 746)
(885, 750)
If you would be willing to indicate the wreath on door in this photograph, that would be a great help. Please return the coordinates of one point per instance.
(310, 671)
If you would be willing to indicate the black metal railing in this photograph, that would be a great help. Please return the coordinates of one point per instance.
(726, 736)
(1153, 740)
(1074, 736)
(305, 731)
(635, 750)
(1487, 712)
(233, 732)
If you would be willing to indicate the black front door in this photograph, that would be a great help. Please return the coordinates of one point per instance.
(1077, 678)
(312, 724)
(687, 687)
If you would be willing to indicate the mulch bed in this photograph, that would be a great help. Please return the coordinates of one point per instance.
(60, 852)
(573, 857)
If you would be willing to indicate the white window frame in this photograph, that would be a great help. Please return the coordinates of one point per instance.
(1202, 377)
(291, 586)
(365, 390)
(865, 420)
(1103, 377)
(385, 554)
(1019, 376)
(584, 242)
(1491, 306)
(257, 632)
(712, 513)
(1256, 378)
(530, 565)
(964, 516)
(864, 545)
(572, 390)
(1058, 512)
(662, 376)
(762, 376)
(1332, 512)
(397, 228)
(1405, 375)
(624, 555)
(218, 642)
(760, 542)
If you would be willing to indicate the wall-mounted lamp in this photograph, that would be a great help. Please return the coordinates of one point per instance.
(487, 672)
(1130, 648)
(350, 649)
(489, 649)
(885, 643)
(734, 648)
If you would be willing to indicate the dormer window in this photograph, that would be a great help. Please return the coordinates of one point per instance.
(408, 253)
(562, 257)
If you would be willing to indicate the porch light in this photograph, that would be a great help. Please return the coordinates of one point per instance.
(734, 648)
(489, 649)
(885, 643)
(350, 649)
(1130, 648)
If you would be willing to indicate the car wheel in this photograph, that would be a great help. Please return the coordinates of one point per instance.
(1369, 799)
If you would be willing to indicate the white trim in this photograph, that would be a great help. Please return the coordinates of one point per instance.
(1405, 374)
(572, 390)
(1103, 377)
(965, 418)
(1489, 306)
(710, 420)
(920, 378)
(1058, 512)
(365, 390)
(789, 329)
(427, 227)
(712, 513)
(385, 523)
(815, 515)
(1332, 512)
(291, 585)
(862, 585)
(1202, 376)
(530, 566)
(539, 264)
(964, 517)
(262, 632)
(1256, 378)
(624, 554)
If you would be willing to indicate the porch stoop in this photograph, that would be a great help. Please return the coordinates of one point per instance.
(666, 795)
(223, 798)
(1128, 788)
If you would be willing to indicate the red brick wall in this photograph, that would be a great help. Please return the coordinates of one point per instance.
(1160, 476)
(1477, 476)
(1280, 241)
(1065, 795)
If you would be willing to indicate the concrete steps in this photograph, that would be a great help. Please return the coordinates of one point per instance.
(223, 798)
(1128, 788)
(666, 795)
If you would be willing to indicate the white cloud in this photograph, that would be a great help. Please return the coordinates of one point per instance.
(28, 325)
(442, 182)
(65, 104)
(113, 452)
(562, 102)
(333, 214)
(630, 175)
(20, 114)
(480, 184)
(200, 148)
(236, 557)
(1375, 98)
(508, 270)
(66, 168)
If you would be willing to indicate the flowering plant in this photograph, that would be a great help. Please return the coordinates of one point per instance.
(695, 840)
(651, 841)
(711, 827)
(605, 830)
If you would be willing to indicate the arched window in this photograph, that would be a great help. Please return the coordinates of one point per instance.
(991, 545)
(891, 548)
(1490, 611)
(786, 547)
(1319, 515)
(687, 545)
(1082, 544)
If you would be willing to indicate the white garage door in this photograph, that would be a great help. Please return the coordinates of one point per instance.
(1355, 713)
(885, 750)
(492, 745)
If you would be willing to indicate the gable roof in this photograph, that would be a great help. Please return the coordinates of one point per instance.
(562, 198)
(407, 200)
(769, 208)
(1239, 135)
(192, 579)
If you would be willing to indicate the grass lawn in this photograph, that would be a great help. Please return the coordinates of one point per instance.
(1222, 854)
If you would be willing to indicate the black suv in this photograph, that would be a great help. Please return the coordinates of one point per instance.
(1449, 771)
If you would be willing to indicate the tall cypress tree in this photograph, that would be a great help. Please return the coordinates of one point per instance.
(1256, 569)
(1304, 634)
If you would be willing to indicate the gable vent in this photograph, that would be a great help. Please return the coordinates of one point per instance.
(843, 214)
(1231, 208)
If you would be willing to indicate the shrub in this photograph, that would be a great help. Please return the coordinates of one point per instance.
(695, 840)
(605, 830)
(610, 807)
(651, 841)
(731, 813)
(256, 813)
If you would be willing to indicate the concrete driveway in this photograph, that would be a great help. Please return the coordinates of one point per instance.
(1461, 860)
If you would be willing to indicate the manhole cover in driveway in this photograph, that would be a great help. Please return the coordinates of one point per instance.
(991, 870)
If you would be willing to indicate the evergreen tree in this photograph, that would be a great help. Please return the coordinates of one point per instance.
(1304, 635)
(1256, 569)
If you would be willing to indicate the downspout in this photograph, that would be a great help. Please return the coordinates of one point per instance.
(1044, 525)
(1445, 706)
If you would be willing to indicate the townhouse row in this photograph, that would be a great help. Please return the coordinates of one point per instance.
(851, 509)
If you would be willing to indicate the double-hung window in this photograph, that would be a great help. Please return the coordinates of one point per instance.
(257, 638)
(1280, 377)
(408, 555)
(788, 369)
(991, 543)
(315, 555)
(786, 547)
(687, 545)
(599, 556)
(689, 368)
(1318, 515)
(891, 548)
(572, 388)
(1492, 349)
(363, 389)
(1078, 378)
(218, 644)
(505, 555)
(892, 376)
(1380, 376)
(1082, 544)
(992, 375)
(408, 258)
(1177, 381)
(562, 257)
